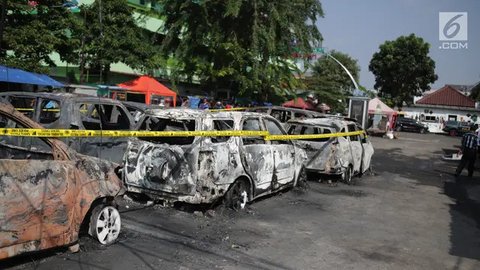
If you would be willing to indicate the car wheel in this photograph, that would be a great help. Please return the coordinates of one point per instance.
(422, 131)
(105, 224)
(237, 196)
(348, 175)
(453, 133)
(399, 128)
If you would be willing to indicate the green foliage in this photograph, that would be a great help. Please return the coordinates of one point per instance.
(403, 69)
(32, 34)
(475, 93)
(110, 34)
(330, 82)
(240, 44)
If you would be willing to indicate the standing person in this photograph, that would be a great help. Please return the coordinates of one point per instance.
(218, 105)
(186, 102)
(469, 151)
(204, 105)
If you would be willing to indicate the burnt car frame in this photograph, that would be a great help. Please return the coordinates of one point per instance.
(343, 156)
(49, 192)
(205, 169)
(72, 111)
(284, 114)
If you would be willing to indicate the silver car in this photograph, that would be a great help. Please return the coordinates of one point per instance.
(205, 169)
(344, 156)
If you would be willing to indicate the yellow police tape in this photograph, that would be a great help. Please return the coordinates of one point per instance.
(312, 136)
(63, 133)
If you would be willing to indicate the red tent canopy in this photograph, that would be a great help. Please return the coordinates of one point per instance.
(298, 103)
(149, 86)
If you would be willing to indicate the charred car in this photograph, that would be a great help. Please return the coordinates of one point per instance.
(284, 114)
(341, 156)
(71, 111)
(205, 169)
(48, 192)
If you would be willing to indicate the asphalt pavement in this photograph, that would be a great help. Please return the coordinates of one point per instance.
(411, 213)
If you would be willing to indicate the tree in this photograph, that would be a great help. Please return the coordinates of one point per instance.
(403, 69)
(32, 33)
(475, 92)
(110, 34)
(239, 44)
(330, 82)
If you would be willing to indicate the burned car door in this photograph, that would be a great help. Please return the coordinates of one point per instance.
(35, 194)
(356, 148)
(113, 117)
(100, 117)
(367, 150)
(321, 152)
(257, 157)
(283, 155)
(86, 116)
(218, 157)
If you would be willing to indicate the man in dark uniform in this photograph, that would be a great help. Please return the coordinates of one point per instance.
(469, 151)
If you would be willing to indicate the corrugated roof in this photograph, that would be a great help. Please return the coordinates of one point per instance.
(447, 96)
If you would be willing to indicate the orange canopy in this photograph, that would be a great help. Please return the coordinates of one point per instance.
(299, 103)
(149, 86)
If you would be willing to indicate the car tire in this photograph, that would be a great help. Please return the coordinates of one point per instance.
(105, 224)
(422, 131)
(452, 133)
(236, 197)
(347, 175)
(399, 128)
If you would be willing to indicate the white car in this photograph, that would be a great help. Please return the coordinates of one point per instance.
(204, 169)
(343, 156)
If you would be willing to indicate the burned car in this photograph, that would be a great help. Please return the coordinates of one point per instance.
(341, 156)
(284, 114)
(205, 169)
(49, 192)
(71, 111)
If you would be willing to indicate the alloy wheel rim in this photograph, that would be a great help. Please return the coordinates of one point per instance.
(108, 225)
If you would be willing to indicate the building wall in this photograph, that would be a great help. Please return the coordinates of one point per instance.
(417, 111)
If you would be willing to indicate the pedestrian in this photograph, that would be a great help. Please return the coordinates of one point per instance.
(218, 105)
(204, 105)
(469, 153)
(186, 102)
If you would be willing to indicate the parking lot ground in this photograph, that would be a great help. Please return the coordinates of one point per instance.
(410, 214)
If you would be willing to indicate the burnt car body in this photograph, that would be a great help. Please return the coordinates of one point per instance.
(204, 169)
(47, 191)
(284, 114)
(342, 156)
(71, 111)
(137, 109)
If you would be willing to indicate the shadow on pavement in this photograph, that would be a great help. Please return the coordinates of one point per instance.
(465, 217)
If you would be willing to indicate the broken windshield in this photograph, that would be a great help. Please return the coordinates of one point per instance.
(167, 124)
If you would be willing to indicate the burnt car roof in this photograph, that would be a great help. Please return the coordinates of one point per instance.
(324, 121)
(62, 96)
(312, 113)
(194, 113)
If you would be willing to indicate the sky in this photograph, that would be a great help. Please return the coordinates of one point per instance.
(358, 28)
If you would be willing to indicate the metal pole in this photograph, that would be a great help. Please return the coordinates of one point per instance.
(346, 70)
